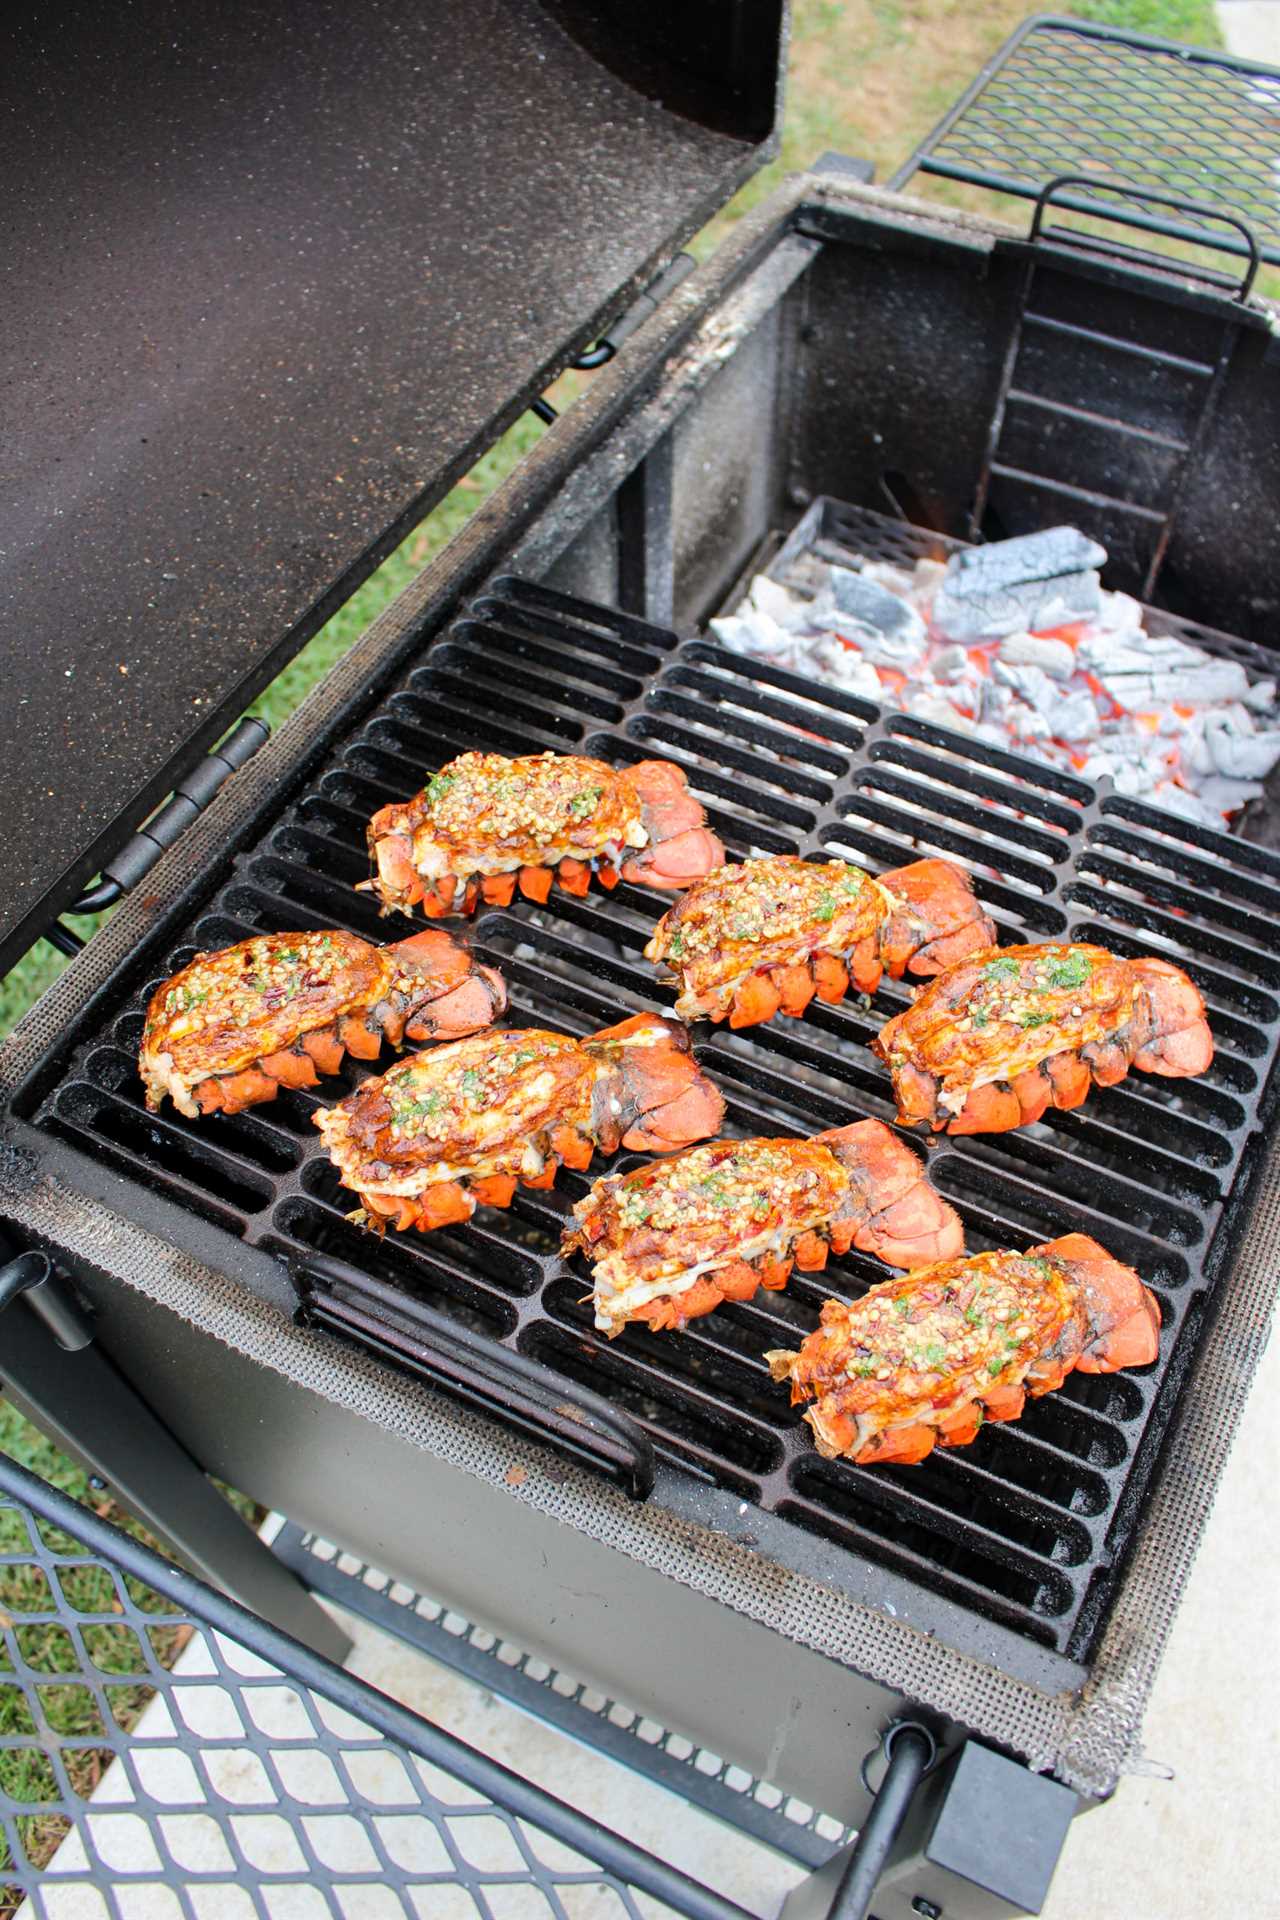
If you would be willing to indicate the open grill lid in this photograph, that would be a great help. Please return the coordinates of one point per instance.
(277, 275)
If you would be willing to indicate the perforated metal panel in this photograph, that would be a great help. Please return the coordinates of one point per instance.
(1027, 1525)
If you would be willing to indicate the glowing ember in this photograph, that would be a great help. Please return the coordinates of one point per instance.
(1018, 644)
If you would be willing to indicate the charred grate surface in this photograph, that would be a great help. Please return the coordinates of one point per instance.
(1062, 97)
(1027, 1525)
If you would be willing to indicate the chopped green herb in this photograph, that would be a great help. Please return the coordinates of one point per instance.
(584, 803)
(1041, 1266)
(865, 1368)
(973, 1315)
(936, 1354)
(675, 945)
(981, 1017)
(1036, 1020)
(826, 907)
(1002, 969)
(1071, 972)
(996, 1366)
(472, 1084)
(902, 1306)
(437, 787)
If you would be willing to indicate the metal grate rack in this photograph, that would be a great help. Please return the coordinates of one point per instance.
(1027, 1525)
(248, 1777)
(1068, 97)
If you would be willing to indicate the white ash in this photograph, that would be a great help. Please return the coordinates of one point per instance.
(1053, 657)
(1033, 583)
(1019, 645)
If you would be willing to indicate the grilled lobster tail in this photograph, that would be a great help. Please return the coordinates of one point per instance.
(994, 1041)
(233, 1027)
(750, 941)
(443, 1132)
(672, 1240)
(925, 1360)
(485, 825)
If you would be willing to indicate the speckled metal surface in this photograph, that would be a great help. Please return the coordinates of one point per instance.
(274, 276)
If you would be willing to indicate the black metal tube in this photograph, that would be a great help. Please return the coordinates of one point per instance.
(609, 1850)
(65, 939)
(50, 1298)
(910, 1751)
(23, 1271)
(544, 411)
(598, 356)
(104, 894)
(54, 1303)
(497, 1380)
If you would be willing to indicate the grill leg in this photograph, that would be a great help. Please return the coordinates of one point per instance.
(979, 1841)
(92, 1412)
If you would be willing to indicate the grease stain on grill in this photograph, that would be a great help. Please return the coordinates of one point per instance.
(1024, 1525)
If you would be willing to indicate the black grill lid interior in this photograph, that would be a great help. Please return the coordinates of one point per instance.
(275, 275)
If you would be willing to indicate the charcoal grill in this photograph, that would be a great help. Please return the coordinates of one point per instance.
(443, 1406)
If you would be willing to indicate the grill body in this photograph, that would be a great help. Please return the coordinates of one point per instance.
(847, 344)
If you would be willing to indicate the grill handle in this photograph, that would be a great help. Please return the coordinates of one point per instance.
(478, 1373)
(1134, 216)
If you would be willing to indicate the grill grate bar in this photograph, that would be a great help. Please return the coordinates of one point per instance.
(1019, 1527)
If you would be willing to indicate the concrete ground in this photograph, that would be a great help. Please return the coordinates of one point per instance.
(1251, 28)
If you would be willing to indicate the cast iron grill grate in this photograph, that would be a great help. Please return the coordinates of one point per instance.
(1026, 1526)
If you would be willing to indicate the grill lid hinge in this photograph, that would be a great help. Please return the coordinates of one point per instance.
(623, 327)
(138, 855)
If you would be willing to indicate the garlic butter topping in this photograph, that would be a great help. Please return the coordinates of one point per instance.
(1003, 1012)
(483, 800)
(234, 1005)
(710, 1203)
(968, 1322)
(474, 1101)
(767, 912)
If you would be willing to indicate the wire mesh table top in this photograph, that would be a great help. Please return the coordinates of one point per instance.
(1063, 97)
(154, 1766)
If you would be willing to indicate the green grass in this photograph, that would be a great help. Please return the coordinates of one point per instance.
(1191, 21)
(27, 1774)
